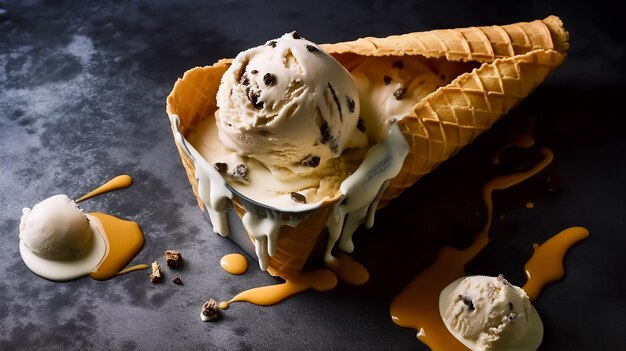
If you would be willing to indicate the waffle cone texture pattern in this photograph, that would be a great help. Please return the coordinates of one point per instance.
(511, 61)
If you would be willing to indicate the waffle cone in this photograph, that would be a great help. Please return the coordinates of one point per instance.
(514, 59)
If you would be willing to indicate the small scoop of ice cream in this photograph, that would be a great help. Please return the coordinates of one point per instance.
(489, 313)
(55, 228)
(289, 105)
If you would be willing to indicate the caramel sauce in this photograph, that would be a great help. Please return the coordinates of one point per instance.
(546, 264)
(134, 268)
(417, 306)
(234, 263)
(349, 270)
(119, 182)
(123, 241)
(320, 280)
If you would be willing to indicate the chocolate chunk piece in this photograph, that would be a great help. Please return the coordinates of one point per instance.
(336, 99)
(468, 301)
(173, 258)
(360, 124)
(387, 80)
(155, 276)
(221, 167)
(253, 96)
(398, 64)
(311, 48)
(325, 132)
(399, 93)
(272, 43)
(244, 80)
(209, 310)
(177, 281)
(295, 35)
(310, 161)
(297, 197)
(269, 79)
(351, 104)
(240, 172)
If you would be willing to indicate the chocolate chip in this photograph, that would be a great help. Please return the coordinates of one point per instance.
(244, 80)
(325, 132)
(332, 91)
(177, 281)
(221, 167)
(254, 71)
(295, 35)
(311, 48)
(297, 197)
(254, 99)
(240, 172)
(468, 301)
(351, 104)
(386, 80)
(360, 124)
(398, 64)
(399, 93)
(511, 306)
(269, 79)
(310, 161)
(272, 43)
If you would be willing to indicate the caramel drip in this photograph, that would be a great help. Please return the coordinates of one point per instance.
(320, 280)
(134, 268)
(349, 270)
(524, 139)
(546, 264)
(417, 306)
(119, 182)
(234, 263)
(123, 241)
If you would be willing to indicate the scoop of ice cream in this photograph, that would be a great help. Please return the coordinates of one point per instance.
(289, 105)
(389, 87)
(489, 313)
(55, 228)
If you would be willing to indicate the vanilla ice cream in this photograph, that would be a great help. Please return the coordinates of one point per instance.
(55, 228)
(489, 313)
(289, 105)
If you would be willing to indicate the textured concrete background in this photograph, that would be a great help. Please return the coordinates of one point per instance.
(82, 95)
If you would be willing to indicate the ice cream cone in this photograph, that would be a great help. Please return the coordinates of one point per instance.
(511, 60)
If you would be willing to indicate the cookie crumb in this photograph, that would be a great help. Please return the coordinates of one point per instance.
(360, 124)
(209, 311)
(351, 104)
(311, 48)
(269, 79)
(156, 272)
(240, 173)
(177, 281)
(386, 80)
(173, 258)
(295, 35)
(310, 161)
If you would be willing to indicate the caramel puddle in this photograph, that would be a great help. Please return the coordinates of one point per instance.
(234, 263)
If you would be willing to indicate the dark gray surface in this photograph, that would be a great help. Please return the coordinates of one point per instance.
(82, 94)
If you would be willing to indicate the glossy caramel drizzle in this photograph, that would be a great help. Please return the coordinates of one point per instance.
(546, 264)
(119, 182)
(320, 280)
(417, 306)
